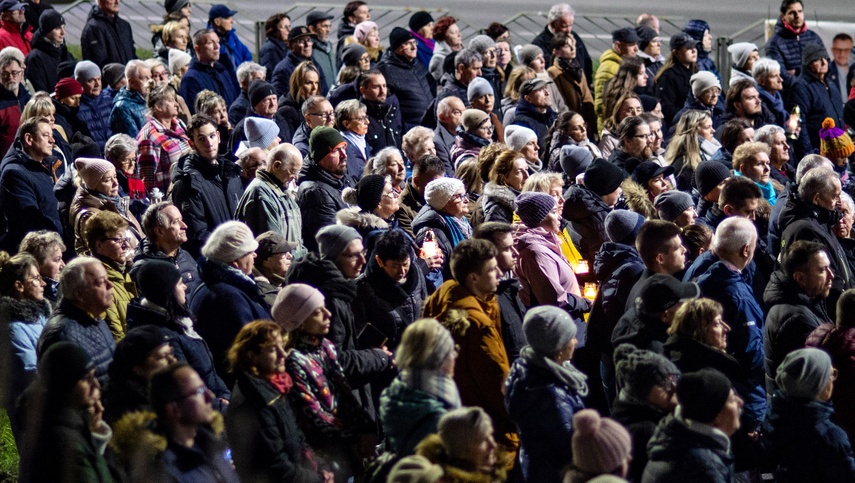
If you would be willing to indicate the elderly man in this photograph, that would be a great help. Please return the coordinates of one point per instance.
(94, 102)
(412, 199)
(767, 74)
(775, 137)
(317, 111)
(106, 38)
(207, 72)
(268, 203)
(301, 45)
(467, 66)
(383, 110)
(165, 232)
(27, 179)
(264, 102)
(86, 296)
(624, 45)
(534, 109)
(812, 217)
(247, 73)
(129, 107)
(11, 32)
(323, 51)
(790, 39)
(407, 79)
(448, 112)
(560, 19)
(207, 186)
(13, 98)
(319, 194)
(734, 243)
(817, 98)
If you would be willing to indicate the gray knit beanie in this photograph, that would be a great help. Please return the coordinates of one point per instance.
(333, 239)
(548, 329)
(478, 88)
(481, 43)
(639, 370)
(804, 373)
(672, 204)
(622, 226)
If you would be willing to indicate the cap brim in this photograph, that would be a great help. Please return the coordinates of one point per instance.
(689, 291)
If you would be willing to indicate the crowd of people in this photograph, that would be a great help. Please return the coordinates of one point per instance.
(424, 258)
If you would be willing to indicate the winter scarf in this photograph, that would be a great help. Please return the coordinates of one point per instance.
(433, 383)
(566, 373)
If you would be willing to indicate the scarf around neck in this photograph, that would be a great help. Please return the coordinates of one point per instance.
(434, 383)
(573, 378)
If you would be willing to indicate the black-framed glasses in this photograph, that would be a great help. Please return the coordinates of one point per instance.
(325, 115)
(199, 391)
(461, 197)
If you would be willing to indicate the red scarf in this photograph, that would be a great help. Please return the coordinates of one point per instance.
(282, 382)
(794, 31)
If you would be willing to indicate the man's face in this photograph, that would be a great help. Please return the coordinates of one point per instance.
(794, 16)
(456, 110)
(245, 263)
(321, 29)
(336, 161)
(747, 210)
(749, 104)
(627, 49)
(301, 46)
(267, 107)
(175, 232)
(654, 48)
(706, 42)
(224, 24)
(486, 280)
(843, 228)
(563, 24)
(397, 270)
(407, 50)
(42, 142)
(756, 168)
(57, 35)
(819, 67)
(320, 114)
(780, 150)
(465, 74)
(539, 98)
(11, 76)
(110, 7)
(352, 259)
(637, 145)
(137, 82)
(673, 258)
(255, 160)
(727, 421)
(98, 292)
(375, 89)
(841, 49)
(507, 256)
(829, 199)
(360, 15)
(193, 406)
(92, 87)
(206, 142)
(14, 16)
(208, 48)
(816, 276)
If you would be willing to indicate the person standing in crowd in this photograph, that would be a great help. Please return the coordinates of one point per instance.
(624, 46)
(561, 18)
(220, 20)
(534, 110)
(355, 12)
(817, 98)
(790, 39)
(601, 446)
(47, 248)
(443, 215)
(162, 140)
(94, 102)
(421, 28)
(448, 40)
(411, 407)
(798, 434)
(469, 300)
(263, 104)
(569, 90)
(246, 73)
(274, 256)
(49, 51)
(412, 198)
(27, 178)
(673, 80)
(261, 423)
(165, 233)
(107, 38)
(207, 72)
(467, 67)
(13, 96)
(129, 105)
(448, 114)
(301, 45)
(275, 47)
(385, 127)
(316, 111)
(323, 50)
(407, 79)
(544, 391)
(12, 30)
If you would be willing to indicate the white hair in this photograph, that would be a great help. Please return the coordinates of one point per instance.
(248, 68)
(133, 67)
(810, 162)
(732, 235)
(73, 277)
(766, 134)
(816, 181)
(558, 11)
(765, 67)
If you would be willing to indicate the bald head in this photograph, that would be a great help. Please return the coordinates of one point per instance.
(284, 162)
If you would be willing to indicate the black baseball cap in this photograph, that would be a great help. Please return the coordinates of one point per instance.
(661, 292)
(648, 170)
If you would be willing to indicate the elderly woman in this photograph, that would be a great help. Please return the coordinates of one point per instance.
(23, 313)
(122, 150)
(375, 202)
(464, 448)
(109, 243)
(99, 191)
(354, 61)
(442, 218)
(524, 141)
(446, 35)
(266, 441)
(388, 162)
(275, 47)
(543, 392)
(507, 176)
(545, 275)
(474, 132)
(367, 34)
(212, 104)
(418, 142)
(160, 75)
(351, 119)
(304, 83)
(767, 74)
(336, 426)
(162, 140)
(47, 248)
(743, 56)
(410, 408)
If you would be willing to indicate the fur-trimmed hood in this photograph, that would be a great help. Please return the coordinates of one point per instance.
(13, 310)
(501, 194)
(638, 200)
(361, 221)
(432, 449)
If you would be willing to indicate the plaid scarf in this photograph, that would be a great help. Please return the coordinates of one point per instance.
(434, 383)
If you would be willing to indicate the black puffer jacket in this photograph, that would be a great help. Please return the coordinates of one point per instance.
(43, 64)
(319, 197)
(641, 330)
(513, 312)
(640, 420)
(183, 261)
(791, 317)
(586, 212)
(672, 89)
(618, 268)
(678, 454)
(410, 81)
(107, 39)
(386, 126)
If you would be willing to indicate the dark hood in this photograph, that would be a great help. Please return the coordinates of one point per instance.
(580, 203)
(323, 275)
(796, 210)
(611, 256)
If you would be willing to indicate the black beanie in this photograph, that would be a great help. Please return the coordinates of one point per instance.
(811, 52)
(50, 19)
(419, 20)
(369, 191)
(322, 141)
(703, 394)
(259, 90)
(135, 347)
(603, 177)
(82, 146)
(398, 37)
(62, 365)
(710, 174)
(156, 280)
(849, 113)
(648, 103)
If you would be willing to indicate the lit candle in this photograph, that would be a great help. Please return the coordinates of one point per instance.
(582, 267)
(590, 291)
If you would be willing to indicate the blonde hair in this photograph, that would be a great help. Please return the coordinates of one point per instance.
(39, 105)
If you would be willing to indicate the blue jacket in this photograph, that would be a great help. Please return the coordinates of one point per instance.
(805, 444)
(23, 321)
(817, 101)
(786, 47)
(222, 305)
(218, 78)
(240, 108)
(128, 113)
(542, 407)
(92, 113)
(232, 48)
(272, 52)
(745, 340)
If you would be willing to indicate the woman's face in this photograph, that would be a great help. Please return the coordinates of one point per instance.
(485, 103)
(32, 287)
(752, 58)
(181, 292)
(364, 62)
(53, 264)
(452, 36)
(538, 64)
(372, 40)
(705, 129)
(283, 28)
(530, 150)
(519, 173)
(717, 334)
(757, 168)
(657, 185)
(578, 129)
(311, 84)
(503, 53)
(318, 324)
(180, 39)
(631, 107)
(553, 224)
(555, 193)
(220, 114)
(167, 108)
(485, 130)
(127, 163)
(108, 184)
(483, 454)
(458, 205)
(709, 97)
(114, 246)
(427, 31)
(396, 169)
(687, 55)
(160, 75)
(612, 198)
(641, 77)
(269, 360)
(388, 202)
(358, 124)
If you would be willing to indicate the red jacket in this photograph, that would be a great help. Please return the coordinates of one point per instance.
(11, 36)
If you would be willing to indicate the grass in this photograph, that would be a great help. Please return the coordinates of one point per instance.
(8, 451)
(78, 54)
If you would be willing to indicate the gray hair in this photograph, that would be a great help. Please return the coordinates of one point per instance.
(310, 103)
(414, 138)
(850, 203)
(154, 218)
(765, 67)
(377, 164)
(244, 156)
(9, 54)
(248, 68)
(766, 134)
(154, 62)
(467, 57)
(39, 244)
(558, 11)
(732, 234)
(73, 277)
(347, 109)
(816, 181)
(119, 145)
(810, 162)
(133, 67)
(443, 107)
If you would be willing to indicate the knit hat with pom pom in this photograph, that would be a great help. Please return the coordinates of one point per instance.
(600, 445)
(834, 143)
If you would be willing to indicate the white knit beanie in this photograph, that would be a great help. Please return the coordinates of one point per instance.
(229, 242)
(518, 137)
(177, 60)
(440, 191)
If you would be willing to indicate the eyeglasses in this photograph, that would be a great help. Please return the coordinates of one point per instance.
(303, 41)
(360, 119)
(392, 195)
(199, 391)
(120, 240)
(460, 197)
(365, 58)
(489, 52)
(11, 74)
(38, 280)
(644, 136)
(488, 127)
(325, 115)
